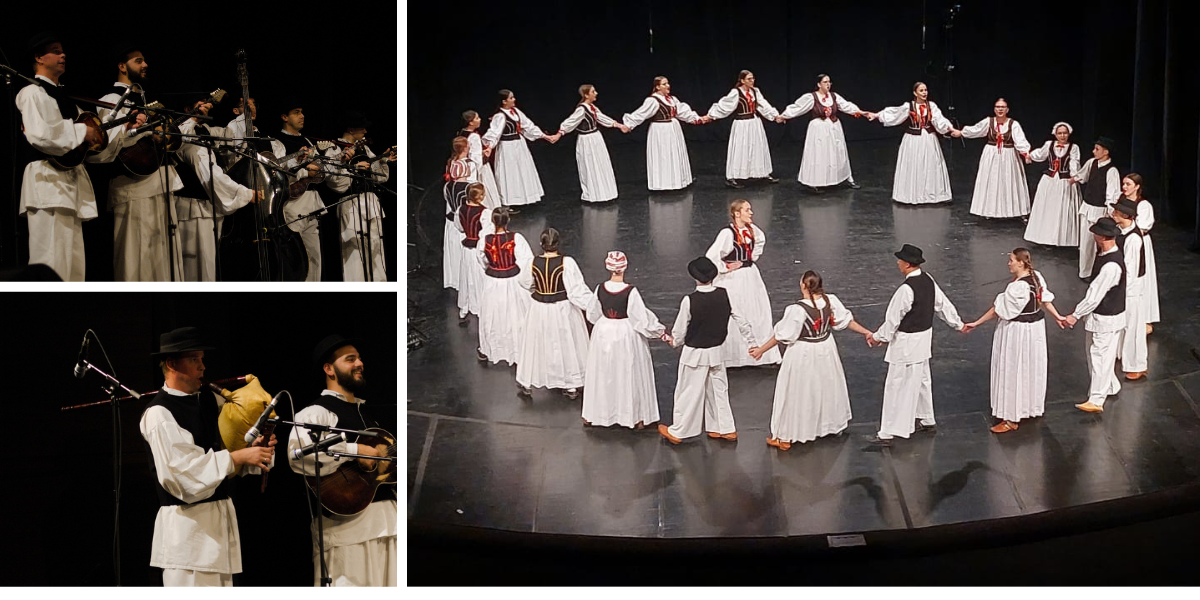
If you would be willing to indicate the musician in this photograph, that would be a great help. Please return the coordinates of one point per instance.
(196, 541)
(290, 141)
(360, 550)
(56, 202)
(369, 215)
(142, 237)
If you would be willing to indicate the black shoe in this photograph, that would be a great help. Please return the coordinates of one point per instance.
(876, 441)
(480, 355)
(816, 190)
(927, 428)
(463, 321)
(524, 391)
(732, 183)
(771, 179)
(854, 186)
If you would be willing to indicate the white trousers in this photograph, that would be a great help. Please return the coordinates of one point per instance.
(699, 387)
(141, 241)
(372, 563)
(56, 240)
(312, 244)
(1102, 349)
(354, 246)
(190, 578)
(907, 396)
(1088, 215)
(198, 248)
(1132, 349)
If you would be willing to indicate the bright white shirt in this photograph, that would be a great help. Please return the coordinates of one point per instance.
(650, 106)
(729, 102)
(1015, 298)
(231, 195)
(124, 188)
(898, 115)
(723, 245)
(576, 118)
(528, 129)
(804, 105)
(368, 202)
(705, 357)
(1050, 149)
(1010, 128)
(1133, 262)
(908, 348)
(788, 329)
(1109, 276)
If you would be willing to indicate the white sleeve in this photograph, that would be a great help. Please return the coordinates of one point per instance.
(899, 306)
(594, 311)
(744, 328)
(521, 250)
(802, 105)
(1145, 215)
(525, 274)
(475, 150)
(1012, 300)
(529, 130)
(643, 319)
(1074, 161)
(845, 105)
(1133, 258)
(339, 185)
(53, 137)
(1112, 188)
(788, 329)
(892, 115)
(720, 248)
(760, 242)
(685, 112)
(1082, 174)
(603, 119)
(231, 195)
(841, 315)
(977, 130)
(1047, 295)
(577, 289)
(645, 111)
(1018, 137)
(495, 129)
(572, 121)
(944, 309)
(1043, 153)
(1109, 276)
(185, 470)
(679, 330)
(725, 106)
(764, 108)
(301, 437)
(940, 122)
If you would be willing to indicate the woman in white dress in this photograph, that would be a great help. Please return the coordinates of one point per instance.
(1001, 189)
(1054, 217)
(473, 221)
(921, 176)
(1131, 187)
(736, 250)
(1019, 365)
(480, 158)
(457, 177)
(503, 304)
(596, 177)
(516, 175)
(619, 385)
(749, 155)
(811, 399)
(667, 164)
(554, 352)
(826, 162)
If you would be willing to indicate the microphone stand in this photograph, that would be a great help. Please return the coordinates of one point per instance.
(364, 239)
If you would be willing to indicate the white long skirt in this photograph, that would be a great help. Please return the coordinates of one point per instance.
(811, 399)
(516, 175)
(491, 191)
(826, 161)
(1001, 190)
(921, 176)
(749, 155)
(555, 349)
(1019, 370)
(618, 388)
(1150, 284)
(595, 169)
(471, 278)
(1088, 215)
(748, 298)
(667, 163)
(503, 307)
(452, 251)
(1054, 217)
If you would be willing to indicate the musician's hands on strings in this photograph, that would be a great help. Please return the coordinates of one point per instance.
(367, 463)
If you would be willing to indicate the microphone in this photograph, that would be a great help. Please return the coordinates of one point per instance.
(81, 368)
(320, 446)
(262, 419)
(147, 127)
(120, 103)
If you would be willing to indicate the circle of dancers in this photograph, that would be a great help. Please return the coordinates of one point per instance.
(534, 310)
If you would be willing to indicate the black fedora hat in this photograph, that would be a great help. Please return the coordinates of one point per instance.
(39, 41)
(1126, 207)
(702, 270)
(326, 347)
(290, 103)
(1106, 142)
(1106, 227)
(910, 254)
(354, 119)
(177, 341)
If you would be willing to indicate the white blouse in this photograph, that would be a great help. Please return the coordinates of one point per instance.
(649, 108)
(723, 245)
(528, 130)
(1015, 297)
(643, 320)
(1009, 128)
(898, 115)
(788, 330)
(804, 104)
(729, 102)
(1051, 149)
(576, 118)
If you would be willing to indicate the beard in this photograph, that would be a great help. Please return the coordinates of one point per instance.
(349, 382)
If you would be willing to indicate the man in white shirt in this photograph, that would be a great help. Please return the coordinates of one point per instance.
(908, 331)
(1101, 188)
(1104, 306)
(360, 549)
(1132, 349)
(289, 141)
(196, 541)
(361, 217)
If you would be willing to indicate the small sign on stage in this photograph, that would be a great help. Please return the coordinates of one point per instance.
(844, 541)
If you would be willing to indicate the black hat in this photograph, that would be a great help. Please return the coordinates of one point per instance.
(289, 104)
(910, 254)
(326, 347)
(1127, 207)
(702, 269)
(354, 119)
(176, 341)
(1106, 227)
(39, 41)
(121, 50)
(1106, 142)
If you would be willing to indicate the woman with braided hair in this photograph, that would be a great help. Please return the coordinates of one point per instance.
(503, 305)
(473, 221)
(1019, 366)
(454, 191)
(480, 159)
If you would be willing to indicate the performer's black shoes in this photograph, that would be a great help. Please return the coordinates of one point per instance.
(524, 391)
(733, 183)
(875, 440)
(771, 179)
(853, 186)
(480, 355)
(926, 428)
(816, 190)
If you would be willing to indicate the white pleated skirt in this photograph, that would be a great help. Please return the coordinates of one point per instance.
(516, 175)
(452, 251)
(554, 351)
(491, 191)
(1150, 283)
(1054, 216)
(596, 177)
(748, 298)
(826, 161)
(618, 387)
(503, 306)
(1001, 190)
(470, 277)
(667, 163)
(1018, 382)
(811, 399)
(749, 155)
(921, 176)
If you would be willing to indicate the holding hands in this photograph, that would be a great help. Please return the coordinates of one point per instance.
(623, 128)
(733, 266)
(955, 133)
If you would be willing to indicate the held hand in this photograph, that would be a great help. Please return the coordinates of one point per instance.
(733, 266)
(254, 456)
(487, 152)
(955, 133)
(1071, 321)
(969, 327)
(872, 116)
(1028, 160)
(756, 352)
(780, 119)
(93, 137)
(367, 463)
(623, 128)
(1061, 322)
(870, 340)
(363, 166)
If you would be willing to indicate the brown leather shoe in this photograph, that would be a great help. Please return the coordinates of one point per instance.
(1004, 427)
(728, 436)
(662, 430)
(1135, 376)
(1089, 407)
(778, 444)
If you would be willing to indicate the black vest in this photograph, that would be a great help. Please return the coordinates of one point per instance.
(1032, 312)
(198, 415)
(614, 305)
(192, 186)
(1059, 166)
(993, 136)
(819, 325)
(914, 124)
(548, 284)
(468, 216)
(589, 124)
(349, 417)
(1113, 302)
(66, 110)
(745, 108)
(709, 324)
(818, 111)
(666, 112)
(1141, 253)
(920, 316)
(742, 251)
(455, 193)
(291, 143)
(501, 252)
(1097, 184)
(512, 128)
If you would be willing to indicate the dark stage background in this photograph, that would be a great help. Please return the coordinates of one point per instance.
(332, 59)
(1125, 69)
(61, 519)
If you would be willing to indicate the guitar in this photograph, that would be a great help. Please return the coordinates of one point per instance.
(373, 160)
(75, 157)
(350, 489)
(147, 155)
(298, 187)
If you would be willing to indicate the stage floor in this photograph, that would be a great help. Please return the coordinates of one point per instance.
(479, 455)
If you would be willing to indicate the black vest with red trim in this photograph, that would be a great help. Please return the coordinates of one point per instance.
(455, 193)
(468, 217)
(548, 284)
(994, 137)
(747, 105)
(500, 249)
(920, 316)
(818, 111)
(590, 122)
(819, 325)
(1096, 188)
(709, 324)
(1059, 166)
(1141, 251)
(349, 416)
(614, 305)
(512, 127)
(916, 123)
(1033, 309)
(197, 414)
(743, 247)
(1113, 302)
(666, 112)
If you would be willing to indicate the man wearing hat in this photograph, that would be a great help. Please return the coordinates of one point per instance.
(701, 327)
(196, 541)
(287, 142)
(360, 550)
(56, 202)
(908, 331)
(1101, 189)
(1132, 349)
(1104, 306)
(361, 218)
